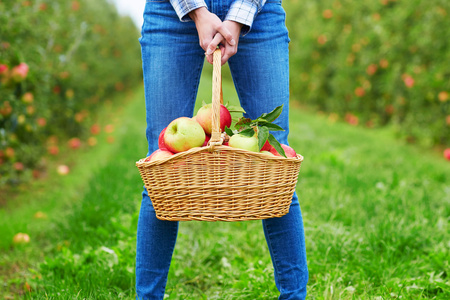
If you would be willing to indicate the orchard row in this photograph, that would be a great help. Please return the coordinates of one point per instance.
(60, 62)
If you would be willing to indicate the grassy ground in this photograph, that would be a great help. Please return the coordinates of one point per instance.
(376, 216)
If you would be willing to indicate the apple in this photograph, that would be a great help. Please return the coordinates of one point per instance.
(159, 154)
(243, 142)
(74, 143)
(207, 138)
(40, 215)
(19, 72)
(287, 150)
(95, 129)
(447, 154)
(28, 97)
(21, 238)
(53, 150)
(267, 152)
(204, 118)
(109, 128)
(267, 146)
(161, 144)
(92, 141)
(3, 70)
(63, 170)
(183, 134)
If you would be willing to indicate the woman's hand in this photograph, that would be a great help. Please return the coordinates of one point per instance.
(208, 25)
(228, 49)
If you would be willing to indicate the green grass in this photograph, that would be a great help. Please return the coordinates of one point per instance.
(376, 216)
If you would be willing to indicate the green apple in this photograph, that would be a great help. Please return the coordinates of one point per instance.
(183, 134)
(267, 152)
(243, 142)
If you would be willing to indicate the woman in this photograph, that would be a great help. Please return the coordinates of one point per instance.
(176, 36)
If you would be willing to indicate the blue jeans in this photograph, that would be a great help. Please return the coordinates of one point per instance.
(172, 65)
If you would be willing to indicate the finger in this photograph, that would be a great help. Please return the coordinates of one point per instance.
(223, 50)
(227, 53)
(223, 30)
(209, 58)
(214, 43)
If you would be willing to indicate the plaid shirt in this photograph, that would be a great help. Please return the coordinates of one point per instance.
(241, 11)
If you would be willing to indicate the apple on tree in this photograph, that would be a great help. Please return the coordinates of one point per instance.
(183, 134)
(204, 118)
(447, 154)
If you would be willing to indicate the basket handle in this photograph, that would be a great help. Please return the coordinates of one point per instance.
(217, 100)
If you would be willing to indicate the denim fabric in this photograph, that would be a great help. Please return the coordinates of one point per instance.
(172, 65)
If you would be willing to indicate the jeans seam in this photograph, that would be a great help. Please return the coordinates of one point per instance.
(174, 236)
(274, 254)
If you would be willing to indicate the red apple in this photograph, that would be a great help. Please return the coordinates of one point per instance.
(20, 72)
(3, 70)
(267, 146)
(243, 142)
(95, 129)
(159, 154)
(447, 154)
(183, 134)
(287, 150)
(161, 144)
(204, 118)
(207, 138)
(53, 150)
(74, 143)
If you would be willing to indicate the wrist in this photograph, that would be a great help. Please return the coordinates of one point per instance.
(197, 13)
(234, 26)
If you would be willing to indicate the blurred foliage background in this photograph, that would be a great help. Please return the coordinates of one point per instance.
(368, 63)
(60, 61)
(375, 63)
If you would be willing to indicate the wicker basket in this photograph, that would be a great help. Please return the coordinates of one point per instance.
(220, 183)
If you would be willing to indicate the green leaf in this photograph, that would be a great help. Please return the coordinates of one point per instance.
(249, 132)
(263, 135)
(270, 117)
(203, 103)
(271, 126)
(273, 141)
(235, 109)
(229, 131)
(243, 123)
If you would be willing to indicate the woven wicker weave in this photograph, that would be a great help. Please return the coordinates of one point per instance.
(220, 183)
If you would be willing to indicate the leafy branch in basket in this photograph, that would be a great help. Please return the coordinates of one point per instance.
(261, 126)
